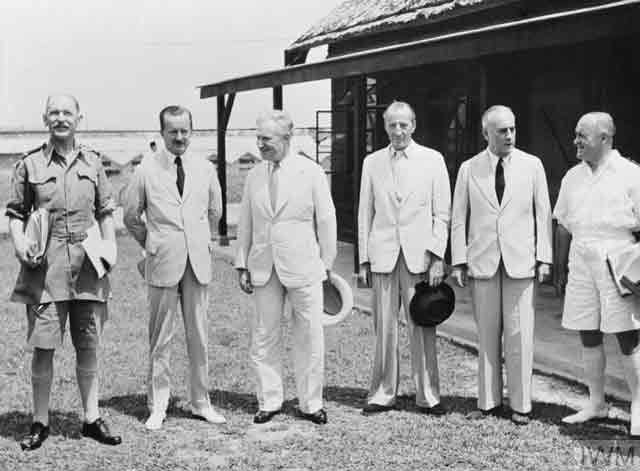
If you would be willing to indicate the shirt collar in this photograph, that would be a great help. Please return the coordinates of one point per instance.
(167, 159)
(493, 158)
(610, 161)
(50, 154)
(408, 151)
(284, 162)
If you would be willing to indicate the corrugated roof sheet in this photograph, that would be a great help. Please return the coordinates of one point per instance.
(355, 17)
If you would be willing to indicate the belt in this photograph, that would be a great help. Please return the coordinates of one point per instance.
(69, 237)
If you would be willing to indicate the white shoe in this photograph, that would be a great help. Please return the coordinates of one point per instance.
(210, 415)
(154, 422)
(586, 414)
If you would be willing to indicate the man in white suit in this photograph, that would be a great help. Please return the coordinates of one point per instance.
(403, 221)
(179, 195)
(286, 246)
(500, 239)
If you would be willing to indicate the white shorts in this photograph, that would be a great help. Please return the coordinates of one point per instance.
(592, 301)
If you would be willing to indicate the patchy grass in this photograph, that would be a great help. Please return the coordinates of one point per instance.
(401, 439)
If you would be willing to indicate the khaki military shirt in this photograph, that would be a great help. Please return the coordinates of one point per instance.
(77, 193)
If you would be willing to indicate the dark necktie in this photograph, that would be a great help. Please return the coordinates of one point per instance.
(180, 173)
(500, 179)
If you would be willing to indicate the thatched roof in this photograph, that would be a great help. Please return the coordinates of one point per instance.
(358, 17)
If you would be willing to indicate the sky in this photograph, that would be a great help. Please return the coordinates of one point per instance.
(126, 59)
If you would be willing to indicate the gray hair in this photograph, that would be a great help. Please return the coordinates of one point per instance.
(397, 106)
(174, 110)
(280, 117)
(493, 109)
(66, 95)
(603, 122)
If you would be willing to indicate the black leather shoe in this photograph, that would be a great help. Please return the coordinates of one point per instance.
(519, 418)
(370, 409)
(436, 410)
(318, 417)
(37, 435)
(99, 431)
(481, 413)
(263, 416)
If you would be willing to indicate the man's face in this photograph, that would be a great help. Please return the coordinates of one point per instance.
(399, 124)
(272, 143)
(61, 117)
(588, 141)
(176, 133)
(500, 132)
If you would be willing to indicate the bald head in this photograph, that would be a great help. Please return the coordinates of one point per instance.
(594, 137)
(601, 122)
(63, 96)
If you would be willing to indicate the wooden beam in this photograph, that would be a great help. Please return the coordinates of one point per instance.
(222, 167)
(586, 24)
(277, 97)
(359, 93)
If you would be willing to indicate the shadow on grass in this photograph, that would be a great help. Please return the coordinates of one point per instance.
(15, 425)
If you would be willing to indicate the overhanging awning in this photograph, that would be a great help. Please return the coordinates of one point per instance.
(612, 19)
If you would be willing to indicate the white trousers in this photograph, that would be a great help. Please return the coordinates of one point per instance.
(389, 289)
(308, 343)
(504, 306)
(163, 305)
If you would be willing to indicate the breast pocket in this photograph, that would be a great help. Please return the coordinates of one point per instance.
(87, 184)
(44, 188)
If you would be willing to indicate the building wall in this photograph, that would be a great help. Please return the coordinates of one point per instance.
(548, 89)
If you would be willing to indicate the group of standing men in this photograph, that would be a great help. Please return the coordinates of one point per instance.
(501, 244)
(500, 223)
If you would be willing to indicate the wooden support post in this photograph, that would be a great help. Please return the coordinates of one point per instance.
(359, 93)
(222, 168)
(277, 97)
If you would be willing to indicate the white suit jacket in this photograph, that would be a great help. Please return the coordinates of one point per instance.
(518, 229)
(287, 239)
(417, 224)
(174, 228)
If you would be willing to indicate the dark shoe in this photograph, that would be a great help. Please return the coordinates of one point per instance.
(519, 418)
(318, 417)
(263, 416)
(37, 435)
(99, 431)
(436, 410)
(370, 409)
(481, 413)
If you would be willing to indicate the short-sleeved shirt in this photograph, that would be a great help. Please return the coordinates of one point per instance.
(602, 205)
(77, 193)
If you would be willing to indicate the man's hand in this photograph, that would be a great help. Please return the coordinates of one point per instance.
(436, 270)
(24, 251)
(244, 277)
(365, 275)
(459, 273)
(544, 272)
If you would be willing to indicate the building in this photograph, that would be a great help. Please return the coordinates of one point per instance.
(549, 60)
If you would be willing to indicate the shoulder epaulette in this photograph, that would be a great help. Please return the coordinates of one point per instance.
(33, 151)
(86, 148)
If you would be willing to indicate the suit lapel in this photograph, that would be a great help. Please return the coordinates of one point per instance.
(263, 196)
(166, 174)
(509, 182)
(484, 176)
(387, 178)
(287, 179)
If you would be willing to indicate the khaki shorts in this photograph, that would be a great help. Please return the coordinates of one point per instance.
(591, 300)
(47, 323)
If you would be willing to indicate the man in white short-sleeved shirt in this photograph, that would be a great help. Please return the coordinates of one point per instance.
(598, 209)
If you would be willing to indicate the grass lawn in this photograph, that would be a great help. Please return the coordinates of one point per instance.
(399, 440)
